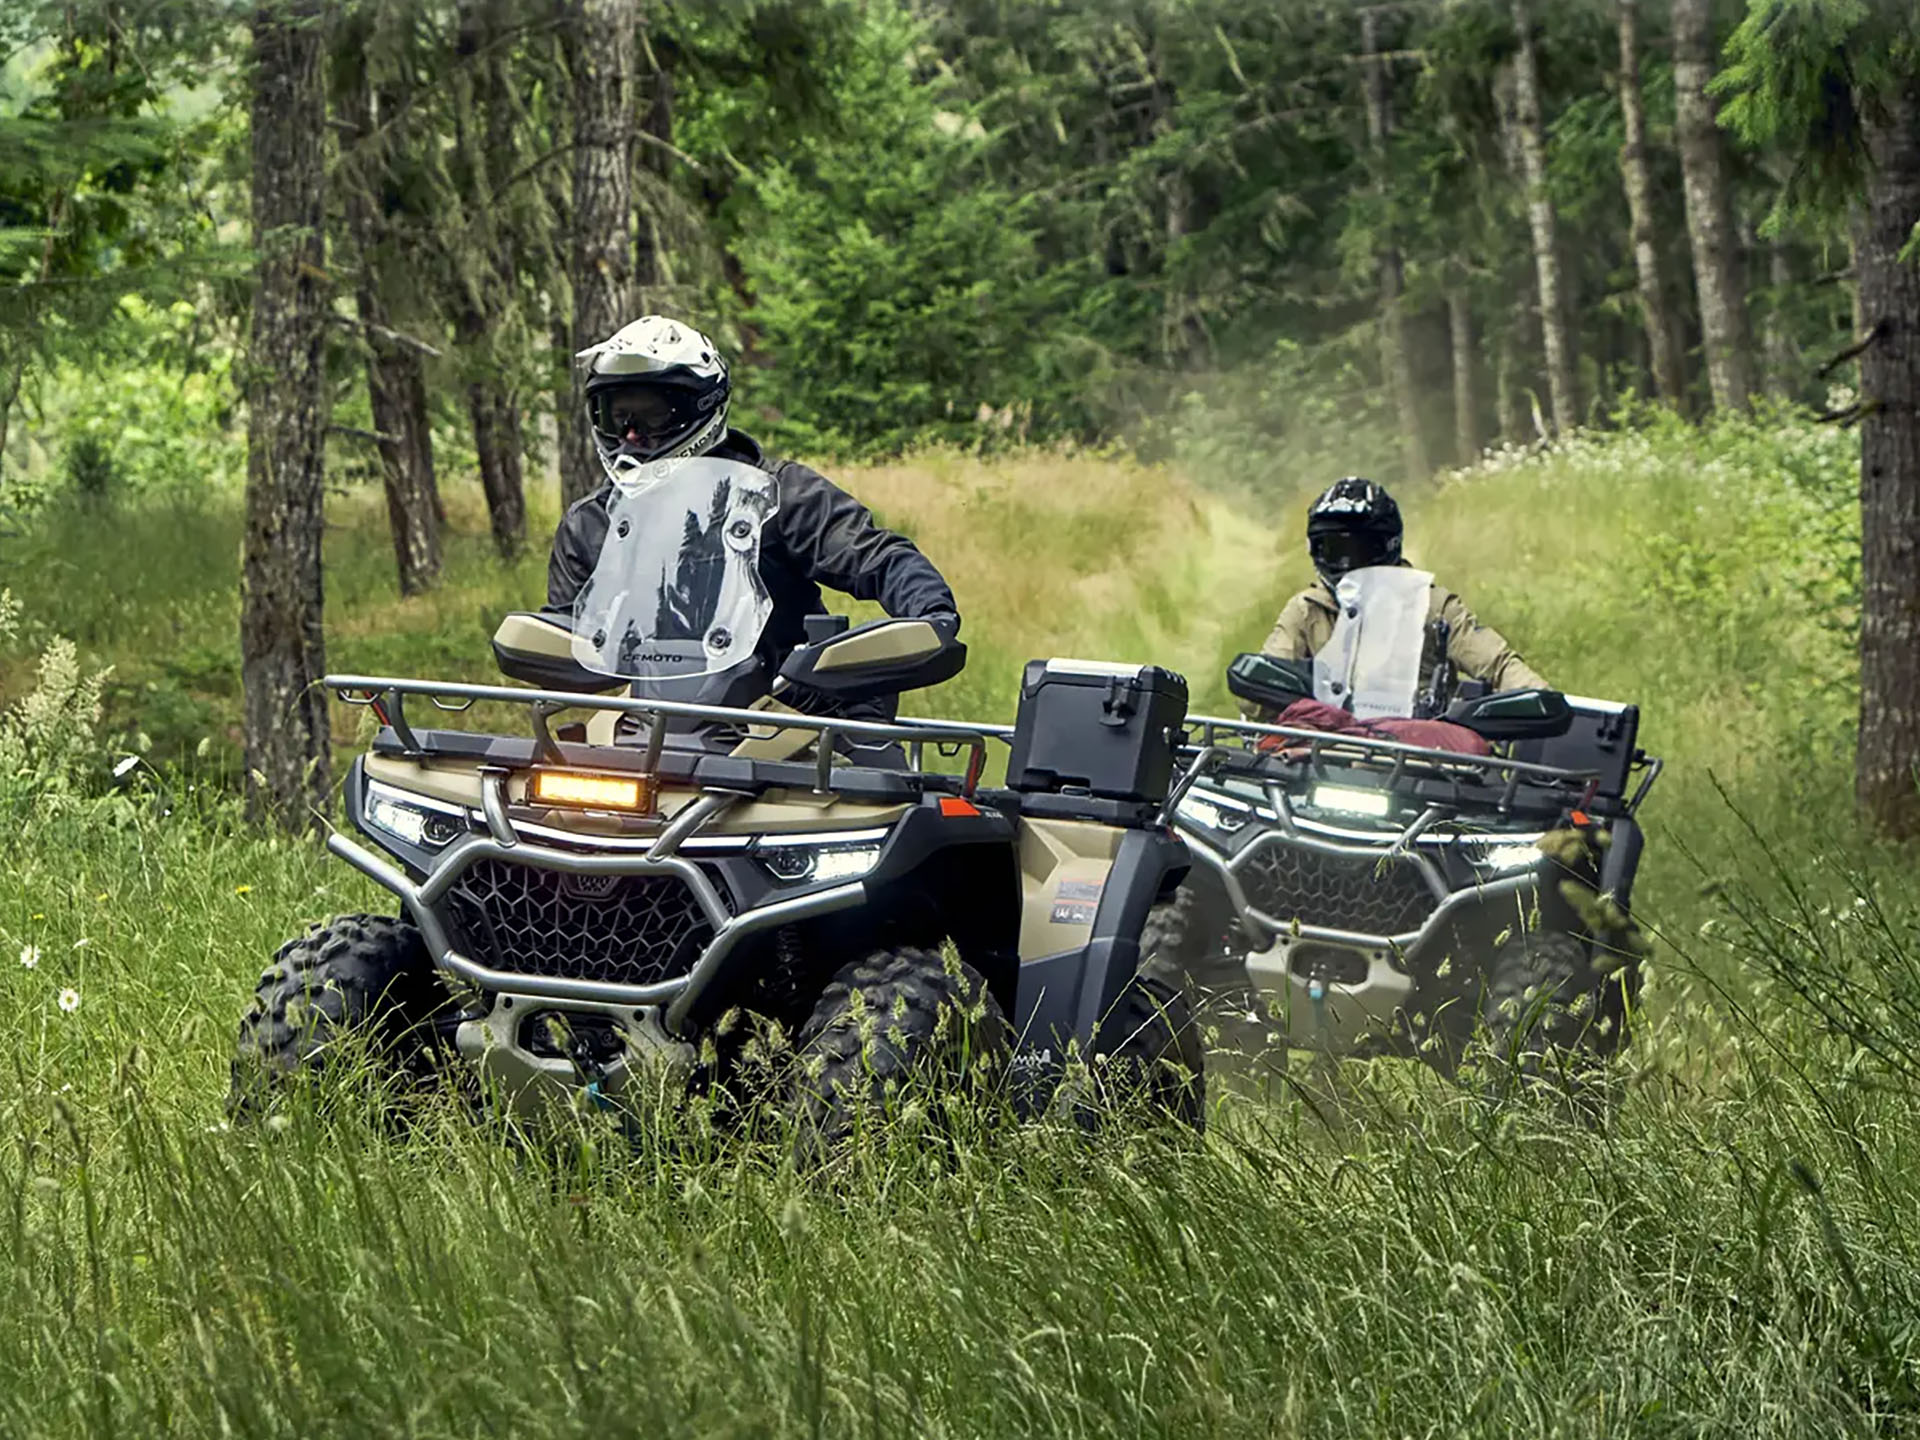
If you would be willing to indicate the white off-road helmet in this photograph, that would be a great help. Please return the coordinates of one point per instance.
(656, 390)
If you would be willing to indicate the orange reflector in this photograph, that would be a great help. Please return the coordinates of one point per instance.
(952, 806)
(591, 792)
(1582, 819)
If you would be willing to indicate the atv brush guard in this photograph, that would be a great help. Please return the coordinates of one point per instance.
(645, 845)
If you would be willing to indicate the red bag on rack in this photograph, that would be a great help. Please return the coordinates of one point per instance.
(1317, 715)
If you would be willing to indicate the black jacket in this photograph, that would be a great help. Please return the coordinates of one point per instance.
(820, 535)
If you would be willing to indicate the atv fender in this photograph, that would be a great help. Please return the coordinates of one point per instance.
(1063, 996)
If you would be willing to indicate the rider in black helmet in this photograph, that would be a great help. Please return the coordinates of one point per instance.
(1355, 524)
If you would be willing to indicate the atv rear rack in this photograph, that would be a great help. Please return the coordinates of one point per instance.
(387, 698)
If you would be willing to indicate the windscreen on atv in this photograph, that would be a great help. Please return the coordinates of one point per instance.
(677, 591)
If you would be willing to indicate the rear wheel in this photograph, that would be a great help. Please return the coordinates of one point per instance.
(361, 986)
(901, 1021)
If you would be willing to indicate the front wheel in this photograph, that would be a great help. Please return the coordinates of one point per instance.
(363, 983)
(901, 1019)
(1147, 1054)
(1545, 1022)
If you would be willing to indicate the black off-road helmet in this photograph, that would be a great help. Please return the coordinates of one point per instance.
(1354, 524)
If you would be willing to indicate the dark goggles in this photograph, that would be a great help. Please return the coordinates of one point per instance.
(652, 413)
(1335, 552)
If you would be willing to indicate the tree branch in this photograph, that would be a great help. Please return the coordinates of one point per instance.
(392, 337)
(378, 437)
(1852, 352)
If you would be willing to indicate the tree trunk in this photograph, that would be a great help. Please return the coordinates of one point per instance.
(1506, 386)
(1782, 355)
(497, 444)
(1663, 343)
(396, 380)
(485, 270)
(1556, 336)
(282, 647)
(653, 266)
(1889, 748)
(1395, 361)
(1466, 399)
(602, 197)
(1716, 246)
(11, 373)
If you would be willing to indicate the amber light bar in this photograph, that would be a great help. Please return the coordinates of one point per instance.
(592, 792)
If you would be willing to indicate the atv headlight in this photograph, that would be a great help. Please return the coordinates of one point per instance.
(1510, 857)
(413, 818)
(817, 858)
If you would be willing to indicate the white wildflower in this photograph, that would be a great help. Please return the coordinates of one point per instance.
(29, 957)
(69, 1000)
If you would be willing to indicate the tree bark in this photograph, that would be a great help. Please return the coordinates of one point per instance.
(485, 272)
(653, 265)
(602, 199)
(1717, 265)
(1663, 342)
(1395, 360)
(1776, 338)
(1506, 383)
(11, 373)
(1556, 335)
(1466, 399)
(396, 379)
(282, 647)
(498, 446)
(1888, 757)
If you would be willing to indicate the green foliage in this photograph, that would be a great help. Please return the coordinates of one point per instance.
(896, 287)
(1798, 73)
(48, 737)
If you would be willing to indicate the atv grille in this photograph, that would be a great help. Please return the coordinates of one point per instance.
(1372, 895)
(618, 929)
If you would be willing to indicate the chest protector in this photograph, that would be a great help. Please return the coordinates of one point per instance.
(1370, 665)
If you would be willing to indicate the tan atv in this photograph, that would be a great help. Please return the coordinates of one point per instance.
(585, 900)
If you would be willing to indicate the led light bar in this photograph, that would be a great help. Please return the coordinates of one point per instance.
(581, 791)
(1352, 802)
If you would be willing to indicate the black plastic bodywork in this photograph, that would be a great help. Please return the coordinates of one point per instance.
(1264, 680)
(874, 681)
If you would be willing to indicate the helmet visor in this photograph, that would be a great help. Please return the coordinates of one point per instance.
(648, 417)
(1335, 552)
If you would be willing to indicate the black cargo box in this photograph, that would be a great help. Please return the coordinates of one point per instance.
(1093, 728)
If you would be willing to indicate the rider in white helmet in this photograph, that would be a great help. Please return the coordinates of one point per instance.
(657, 390)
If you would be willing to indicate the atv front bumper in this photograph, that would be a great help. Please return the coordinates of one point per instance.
(425, 903)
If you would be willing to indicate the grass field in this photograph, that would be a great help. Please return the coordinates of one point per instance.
(1735, 1255)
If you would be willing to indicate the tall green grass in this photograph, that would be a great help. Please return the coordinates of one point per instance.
(1733, 1254)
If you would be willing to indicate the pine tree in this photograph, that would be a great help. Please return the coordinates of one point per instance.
(1834, 88)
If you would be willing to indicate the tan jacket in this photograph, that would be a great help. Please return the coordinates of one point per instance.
(1480, 653)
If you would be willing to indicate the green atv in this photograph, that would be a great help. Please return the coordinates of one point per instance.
(643, 877)
(1351, 895)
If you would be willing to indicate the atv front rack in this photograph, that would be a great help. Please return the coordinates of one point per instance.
(1220, 742)
(387, 698)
